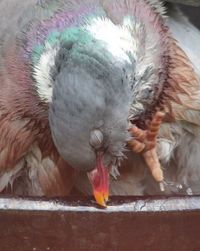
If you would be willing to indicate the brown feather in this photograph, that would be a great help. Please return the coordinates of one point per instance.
(24, 127)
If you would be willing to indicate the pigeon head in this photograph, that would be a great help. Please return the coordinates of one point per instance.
(90, 107)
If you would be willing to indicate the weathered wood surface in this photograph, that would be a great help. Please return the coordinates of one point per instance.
(128, 224)
(187, 2)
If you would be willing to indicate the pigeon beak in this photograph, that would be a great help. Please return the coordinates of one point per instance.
(99, 178)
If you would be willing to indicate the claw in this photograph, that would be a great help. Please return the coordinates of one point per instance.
(162, 186)
(137, 146)
(152, 161)
(144, 142)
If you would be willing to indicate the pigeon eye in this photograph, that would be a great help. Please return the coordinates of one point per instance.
(96, 139)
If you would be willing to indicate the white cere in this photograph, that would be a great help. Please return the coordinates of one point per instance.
(96, 139)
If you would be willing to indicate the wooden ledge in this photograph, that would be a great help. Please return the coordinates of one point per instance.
(128, 224)
(116, 204)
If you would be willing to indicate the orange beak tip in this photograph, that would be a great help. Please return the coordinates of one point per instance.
(100, 199)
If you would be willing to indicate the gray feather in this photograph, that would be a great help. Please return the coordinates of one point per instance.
(91, 92)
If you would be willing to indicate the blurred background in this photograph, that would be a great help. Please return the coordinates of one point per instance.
(193, 13)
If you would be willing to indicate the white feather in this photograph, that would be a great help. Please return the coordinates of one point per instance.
(117, 38)
(42, 73)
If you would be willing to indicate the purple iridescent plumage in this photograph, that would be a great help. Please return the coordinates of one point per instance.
(60, 21)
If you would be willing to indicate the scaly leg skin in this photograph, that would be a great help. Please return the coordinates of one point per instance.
(144, 142)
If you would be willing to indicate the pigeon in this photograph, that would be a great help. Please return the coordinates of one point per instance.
(169, 144)
(82, 84)
(65, 95)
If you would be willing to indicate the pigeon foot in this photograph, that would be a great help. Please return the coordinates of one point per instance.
(144, 142)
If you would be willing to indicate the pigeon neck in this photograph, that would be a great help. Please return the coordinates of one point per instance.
(152, 46)
(137, 39)
(111, 43)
